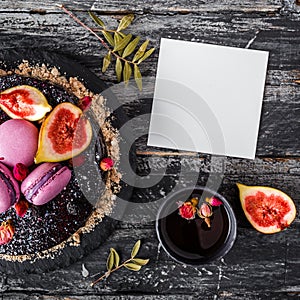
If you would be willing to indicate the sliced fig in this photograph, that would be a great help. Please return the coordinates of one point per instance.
(24, 102)
(65, 133)
(268, 210)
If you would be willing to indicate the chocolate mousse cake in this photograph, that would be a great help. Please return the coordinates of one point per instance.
(44, 231)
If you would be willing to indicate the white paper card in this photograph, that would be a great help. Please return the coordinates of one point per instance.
(208, 98)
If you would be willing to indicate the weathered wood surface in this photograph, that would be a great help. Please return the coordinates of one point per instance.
(259, 266)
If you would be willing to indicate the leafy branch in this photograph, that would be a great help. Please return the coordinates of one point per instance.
(113, 262)
(120, 46)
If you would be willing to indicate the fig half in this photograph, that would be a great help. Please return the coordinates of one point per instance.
(267, 209)
(64, 133)
(24, 102)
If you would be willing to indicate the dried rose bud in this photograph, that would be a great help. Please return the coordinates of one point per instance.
(213, 201)
(1, 158)
(187, 210)
(21, 207)
(205, 211)
(106, 164)
(85, 103)
(20, 171)
(207, 221)
(7, 231)
(194, 201)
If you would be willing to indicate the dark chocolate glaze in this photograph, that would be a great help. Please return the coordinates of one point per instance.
(48, 225)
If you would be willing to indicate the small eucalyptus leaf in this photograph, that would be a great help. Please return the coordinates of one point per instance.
(116, 257)
(138, 77)
(123, 43)
(140, 261)
(125, 22)
(110, 260)
(117, 38)
(131, 47)
(106, 61)
(146, 55)
(135, 248)
(96, 19)
(108, 37)
(127, 72)
(119, 68)
(141, 51)
(132, 267)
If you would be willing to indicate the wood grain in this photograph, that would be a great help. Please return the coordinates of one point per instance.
(259, 266)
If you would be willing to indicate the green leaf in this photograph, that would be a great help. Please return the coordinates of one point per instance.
(125, 22)
(110, 260)
(132, 267)
(135, 248)
(106, 61)
(119, 68)
(130, 47)
(141, 51)
(140, 261)
(108, 37)
(138, 77)
(116, 257)
(127, 72)
(123, 43)
(146, 55)
(96, 19)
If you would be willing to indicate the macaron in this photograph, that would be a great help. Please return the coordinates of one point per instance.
(45, 182)
(18, 142)
(9, 189)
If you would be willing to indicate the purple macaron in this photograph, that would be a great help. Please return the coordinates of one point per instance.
(45, 182)
(9, 189)
(18, 142)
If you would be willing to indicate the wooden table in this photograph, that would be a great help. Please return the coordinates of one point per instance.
(259, 266)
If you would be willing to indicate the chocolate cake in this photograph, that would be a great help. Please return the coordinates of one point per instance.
(47, 229)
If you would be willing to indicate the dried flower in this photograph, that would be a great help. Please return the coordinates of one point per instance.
(85, 103)
(213, 201)
(205, 212)
(20, 171)
(113, 262)
(187, 210)
(106, 164)
(21, 207)
(7, 231)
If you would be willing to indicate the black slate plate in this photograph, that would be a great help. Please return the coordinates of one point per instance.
(71, 68)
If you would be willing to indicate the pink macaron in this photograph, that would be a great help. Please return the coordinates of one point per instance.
(18, 142)
(9, 189)
(45, 182)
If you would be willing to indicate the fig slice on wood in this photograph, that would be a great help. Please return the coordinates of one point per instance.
(268, 210)
(24, 102)
(64, 133)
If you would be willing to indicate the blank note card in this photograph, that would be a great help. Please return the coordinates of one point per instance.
(208, 98)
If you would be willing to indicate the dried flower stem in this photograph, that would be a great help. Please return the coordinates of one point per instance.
(111, 271)
(93, 32)
(133, 263)
(83, 25)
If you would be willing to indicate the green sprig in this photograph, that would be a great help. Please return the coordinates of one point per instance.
(123, 46)
(113, 262)
(120, 46)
